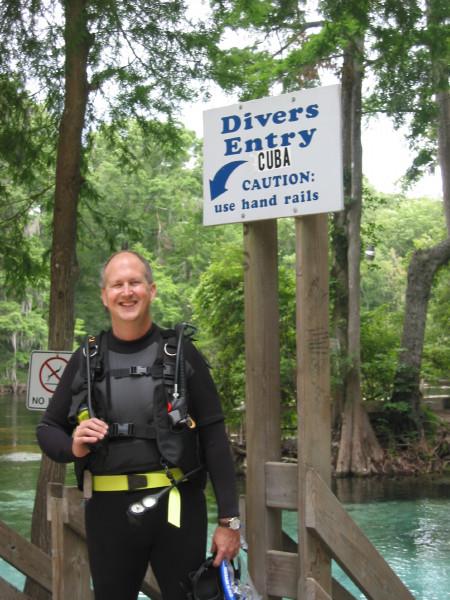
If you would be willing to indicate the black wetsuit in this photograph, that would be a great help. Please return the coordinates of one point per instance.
(119, 548)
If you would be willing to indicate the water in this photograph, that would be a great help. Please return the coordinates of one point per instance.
(408, 520)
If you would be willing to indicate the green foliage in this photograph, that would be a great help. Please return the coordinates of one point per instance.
(218, 310)
(411, 58)
(380, 341)
(22, 329)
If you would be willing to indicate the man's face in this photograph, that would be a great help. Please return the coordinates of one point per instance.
(126, 293)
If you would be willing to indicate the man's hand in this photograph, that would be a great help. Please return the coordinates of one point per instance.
(88, 432)
(225, 544)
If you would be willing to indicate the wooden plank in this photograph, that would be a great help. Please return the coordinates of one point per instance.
(70, 565)
(281, 485)
(74, 510)
(9, 592)
(348, 545)
(25, 556)
(313, 385)
(282, 574)
(314, 591)
(262, 390)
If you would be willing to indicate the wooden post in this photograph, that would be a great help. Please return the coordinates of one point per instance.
(313, 389)
(263, 525)
(70, 568)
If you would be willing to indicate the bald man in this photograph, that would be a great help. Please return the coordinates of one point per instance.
(127, 443)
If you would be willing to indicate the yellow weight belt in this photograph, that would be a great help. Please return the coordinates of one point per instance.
(143, 481)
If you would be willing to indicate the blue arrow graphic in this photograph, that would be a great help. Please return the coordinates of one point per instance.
(217, 185)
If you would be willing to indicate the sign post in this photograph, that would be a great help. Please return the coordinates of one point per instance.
(46, 369)
(265, 159)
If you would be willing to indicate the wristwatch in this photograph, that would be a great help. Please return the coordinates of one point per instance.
(230, 522)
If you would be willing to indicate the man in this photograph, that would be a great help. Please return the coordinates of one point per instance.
(129, 444)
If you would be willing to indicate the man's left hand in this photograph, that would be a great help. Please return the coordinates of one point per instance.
(225, 544)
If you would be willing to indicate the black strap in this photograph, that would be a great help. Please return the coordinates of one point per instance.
(156, 371)
(206, 582)
(127, 430)
(134, 371)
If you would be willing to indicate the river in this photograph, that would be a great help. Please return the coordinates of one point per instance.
(407, 519)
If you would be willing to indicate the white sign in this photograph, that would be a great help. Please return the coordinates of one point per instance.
(273, 157)
(44, 374)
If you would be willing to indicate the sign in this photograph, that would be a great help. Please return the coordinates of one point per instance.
(273, 157)
(45, 372)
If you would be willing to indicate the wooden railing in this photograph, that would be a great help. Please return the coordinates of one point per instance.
(26, 558)
(66, 573)
(328, 521)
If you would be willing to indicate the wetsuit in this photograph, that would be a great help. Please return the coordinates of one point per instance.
(119, 548)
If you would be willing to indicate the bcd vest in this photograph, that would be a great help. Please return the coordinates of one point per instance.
(131, 393)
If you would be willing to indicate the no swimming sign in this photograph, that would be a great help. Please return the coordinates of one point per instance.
(273, 157)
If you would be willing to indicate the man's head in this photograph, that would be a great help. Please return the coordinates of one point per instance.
(127, 292)
(144, 261)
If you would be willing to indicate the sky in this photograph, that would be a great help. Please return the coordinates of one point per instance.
(386, 156)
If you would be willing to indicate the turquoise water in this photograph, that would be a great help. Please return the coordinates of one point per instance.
(408, 520)
(413, 535)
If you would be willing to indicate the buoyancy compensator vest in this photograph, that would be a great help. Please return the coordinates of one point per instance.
(143, 398)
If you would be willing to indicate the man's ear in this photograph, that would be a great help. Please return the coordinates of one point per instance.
(105, 303)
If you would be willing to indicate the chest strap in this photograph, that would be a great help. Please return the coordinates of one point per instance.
(156, 371)
(135, 430)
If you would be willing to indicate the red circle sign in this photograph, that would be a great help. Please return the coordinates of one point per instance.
(51, 371)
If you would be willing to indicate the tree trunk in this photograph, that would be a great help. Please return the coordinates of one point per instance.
(422, 269)
(339, 242)
(359, 450)
(63, 260)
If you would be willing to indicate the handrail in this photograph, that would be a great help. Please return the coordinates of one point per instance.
(327, 519)
(26, 558)
(347, 544)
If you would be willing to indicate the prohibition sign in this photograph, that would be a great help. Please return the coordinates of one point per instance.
(51, 371)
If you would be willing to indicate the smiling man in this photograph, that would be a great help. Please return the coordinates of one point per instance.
(128, 441)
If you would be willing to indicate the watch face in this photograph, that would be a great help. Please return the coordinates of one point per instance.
(234, 523)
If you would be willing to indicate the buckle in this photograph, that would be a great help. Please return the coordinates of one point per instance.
(138, 370)
(136, 481)
(121, 429)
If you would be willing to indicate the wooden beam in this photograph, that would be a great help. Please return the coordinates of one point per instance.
(70, 566)
(9, 592)
(25, 556)
(326, 517)
(313, 386)
(281, 485)
(282, 574)
(262, 390)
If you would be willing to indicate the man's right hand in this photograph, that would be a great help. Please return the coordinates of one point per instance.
(88, 432)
